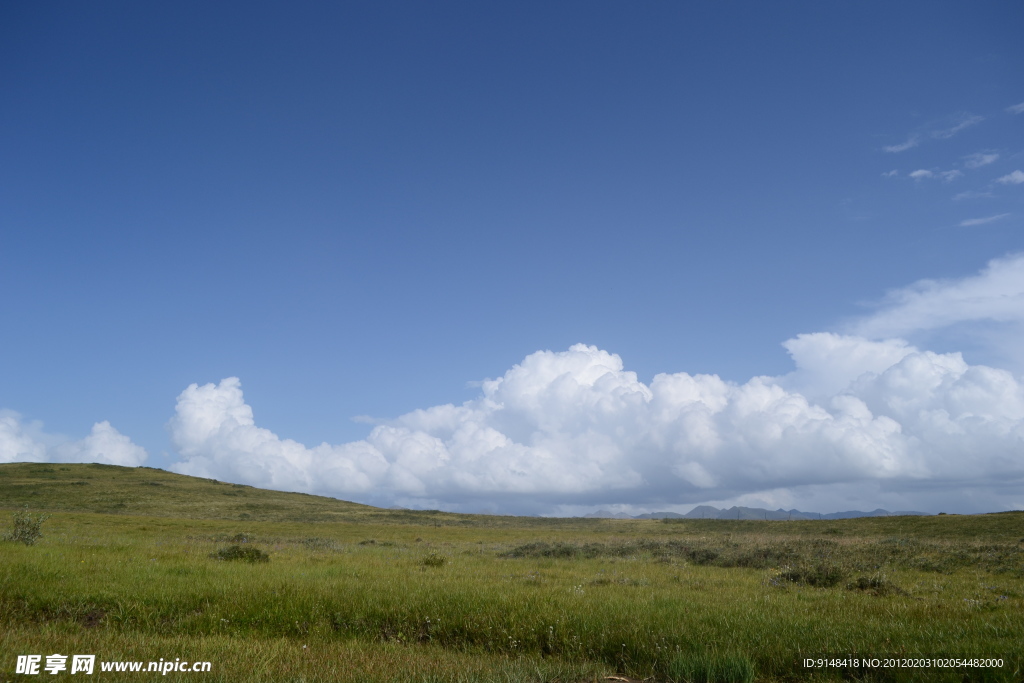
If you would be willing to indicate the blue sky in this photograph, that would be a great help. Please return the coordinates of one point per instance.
(367, 209)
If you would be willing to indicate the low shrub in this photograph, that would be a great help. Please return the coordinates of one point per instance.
(28, 528)
(875, 585)
(824, 575)
(434, 560)
(245, 554)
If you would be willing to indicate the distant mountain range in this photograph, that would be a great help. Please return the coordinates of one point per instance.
(711, 512)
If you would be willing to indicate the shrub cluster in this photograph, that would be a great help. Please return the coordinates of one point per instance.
(243, 553)
(731, 555)
(811, 556)
(823, 575)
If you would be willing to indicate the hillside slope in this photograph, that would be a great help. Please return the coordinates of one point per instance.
(147, 491)
(144, 491)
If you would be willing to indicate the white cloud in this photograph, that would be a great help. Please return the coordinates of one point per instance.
(954, 125)
(1015, 178)
(891, 174)
(1016, 109)
(982, 221)
(865, 419)
(996, 294)
(979, 159)
(911, 142)
(826, 363)
(16, 442)
(21, 442)
(576, 428)
(924, 173)
(972, 194)
(962, 122)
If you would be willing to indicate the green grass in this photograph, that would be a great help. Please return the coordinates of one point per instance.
(381, 595)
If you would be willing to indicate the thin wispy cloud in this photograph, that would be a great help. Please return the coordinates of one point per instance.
(1015, 178)
(965, 121)
(970, 222)
(979, 159)
(921, 174)
(996, 294)
(912, 142)
(891, 174)
(972, 194)
(959, 123)
(983, 313)
(1016, 109)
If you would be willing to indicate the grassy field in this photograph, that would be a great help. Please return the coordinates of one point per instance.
(128, 569)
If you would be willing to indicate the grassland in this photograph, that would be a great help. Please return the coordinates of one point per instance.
(128, 569)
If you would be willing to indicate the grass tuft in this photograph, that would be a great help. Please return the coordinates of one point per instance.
(711, 668)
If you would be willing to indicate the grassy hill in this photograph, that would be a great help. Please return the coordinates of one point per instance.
(111, 489)
(131, 567)
(149, 491)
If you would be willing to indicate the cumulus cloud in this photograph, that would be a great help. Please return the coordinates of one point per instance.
(924, 173)
(1015, 178)
(27, 442)
(16, 443)
(576, 428)
(982, 221)
(827, 363)
(866, 418)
